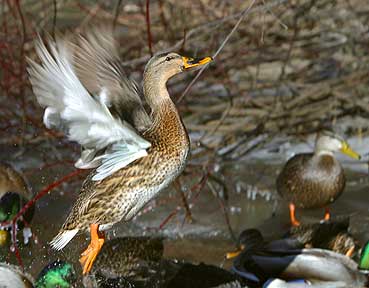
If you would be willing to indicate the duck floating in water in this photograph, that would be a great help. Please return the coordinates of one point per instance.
(134, 153)
(127, 260)
(14, 194)
(330, 235)
(138, 262)
(260, 263)
(314, 180)
(58, 274)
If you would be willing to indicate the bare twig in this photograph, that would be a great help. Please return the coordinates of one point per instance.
(242, 17)
(148, 26)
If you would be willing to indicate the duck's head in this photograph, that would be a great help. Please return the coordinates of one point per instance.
(9, 206)
(328, 142)
(56, 274)
(250, 239)
(164, 66)
(364, 258)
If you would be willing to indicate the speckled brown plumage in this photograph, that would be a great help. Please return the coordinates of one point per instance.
(311, 181)
(135, 155)
(124, 256)
(120, 196)
(331, 235)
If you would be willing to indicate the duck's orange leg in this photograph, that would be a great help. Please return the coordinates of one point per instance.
(327, 214)
(89, 255)
(350, 252)
(294, 222)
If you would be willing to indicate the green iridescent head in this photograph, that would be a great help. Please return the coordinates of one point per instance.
(58, 274)
(9, 206)
(364, 258)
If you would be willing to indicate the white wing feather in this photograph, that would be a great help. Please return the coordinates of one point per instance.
(86, 120)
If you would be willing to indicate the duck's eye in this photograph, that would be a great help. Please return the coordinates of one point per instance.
(168, 58)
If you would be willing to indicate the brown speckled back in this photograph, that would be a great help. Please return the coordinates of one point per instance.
(121, 195)
(311, 181)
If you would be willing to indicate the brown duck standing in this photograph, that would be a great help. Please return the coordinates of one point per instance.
(135, 154)
(314, 180)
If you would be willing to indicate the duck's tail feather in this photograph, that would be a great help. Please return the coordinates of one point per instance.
(63, 238)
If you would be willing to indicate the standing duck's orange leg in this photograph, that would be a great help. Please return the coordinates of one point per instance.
(350, 252)
(294, 222)
(327, 214)
(89, 255)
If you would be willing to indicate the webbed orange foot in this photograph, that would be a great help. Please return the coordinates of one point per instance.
(294, 221)
(88, 256)
(327, 214)
(350, 252)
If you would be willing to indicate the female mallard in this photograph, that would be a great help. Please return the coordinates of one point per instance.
(331, 235)
(314, 180)
(14, 194)
(135, 153)
(56, 274)
(127, 256)
(127, 260)
(259, 263)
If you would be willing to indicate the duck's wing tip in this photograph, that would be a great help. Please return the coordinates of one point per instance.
(63, 238)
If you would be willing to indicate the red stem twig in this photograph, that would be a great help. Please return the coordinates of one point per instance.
(148, 25)
(42, 193)
(29, 204)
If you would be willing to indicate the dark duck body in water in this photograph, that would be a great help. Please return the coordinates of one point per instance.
(260, 262)
(138, 262)
(330, 235)
(314, 180)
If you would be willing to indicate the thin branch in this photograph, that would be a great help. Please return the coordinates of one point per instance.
(116, 15)
(148, 26)
(235, 27)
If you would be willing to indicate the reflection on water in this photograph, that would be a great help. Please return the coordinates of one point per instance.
(252, 202)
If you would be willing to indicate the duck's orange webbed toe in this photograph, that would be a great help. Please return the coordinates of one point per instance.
(327, 214)
(350, 252)
(294, 221)
(89, 255)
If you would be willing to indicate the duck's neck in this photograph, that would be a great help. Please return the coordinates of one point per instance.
(163, 109)
(324, 159)
(323, 152)
(156, 92)
(167, 124)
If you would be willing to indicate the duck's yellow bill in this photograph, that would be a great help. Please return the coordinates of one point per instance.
(234, 254)
(346, 149)
(191, 62)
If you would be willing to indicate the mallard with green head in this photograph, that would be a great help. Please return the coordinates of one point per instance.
(14, 194)
(314, 180)
(331, 235)
(259, 263)
(58, 274)
(134, 153)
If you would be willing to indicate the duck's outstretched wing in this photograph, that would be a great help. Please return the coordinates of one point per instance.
(97, 63)
(86, 119)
